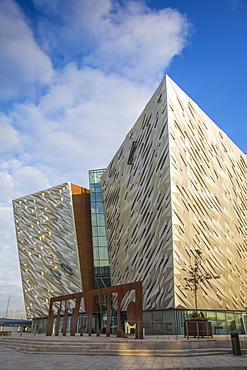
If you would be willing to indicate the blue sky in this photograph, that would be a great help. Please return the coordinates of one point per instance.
(76, 74)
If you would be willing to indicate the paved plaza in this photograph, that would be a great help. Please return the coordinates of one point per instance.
(11, 359)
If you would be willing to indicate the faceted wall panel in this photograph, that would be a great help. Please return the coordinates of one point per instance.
(137, 202)
(177, 185)
(47, 245)
(209, 189)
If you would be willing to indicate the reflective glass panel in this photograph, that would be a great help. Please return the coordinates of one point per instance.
(99, 207)
(95, 241)
(102, 273)
(96, 253)
(101, 220)
(102, 241)
(101, 231)
(92, 197)
(103, 253)
(98, 197)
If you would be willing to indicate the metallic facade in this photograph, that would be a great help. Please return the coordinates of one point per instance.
(54, 244)
(176, 185)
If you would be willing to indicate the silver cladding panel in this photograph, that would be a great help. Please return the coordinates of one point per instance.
(137, 202)
(47, 241)
(185, 190)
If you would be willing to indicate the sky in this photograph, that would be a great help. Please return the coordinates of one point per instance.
(75, 75)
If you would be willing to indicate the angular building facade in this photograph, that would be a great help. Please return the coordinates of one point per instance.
(173, 198)
(54, 239)
(176, 189)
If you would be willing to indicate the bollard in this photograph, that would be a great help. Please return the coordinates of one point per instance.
(236, 344)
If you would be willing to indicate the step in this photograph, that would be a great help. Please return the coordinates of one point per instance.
(139, 353)
(95, 346)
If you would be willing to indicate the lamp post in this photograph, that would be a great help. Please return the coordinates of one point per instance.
(6, 315)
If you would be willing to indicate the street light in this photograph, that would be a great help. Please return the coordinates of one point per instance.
(6, 315)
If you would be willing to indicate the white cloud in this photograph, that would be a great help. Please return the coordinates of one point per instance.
(6, 186)
(7, 226)
(75, 122)
(128, 37)
(8, 137)
(139, 43)
(80, 120)
(23, 65)
(9, 267)
(17, 180)
(29, 179)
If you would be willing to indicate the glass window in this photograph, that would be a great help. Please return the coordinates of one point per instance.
(98, 188)
(157, 315)
(100, 208)
(229, 316)
(91, 177)
(98, 197)
(93, 218)
(211, 315)
(100, 250)
(104, 263)
(96, 253)
(100, 219)
(92, 188)
(221, 316)
(101, 231)
(96, 266)
(147, 316)
(94, 207)
(95, 241)
(98, 175)
(103, 253)
(97, 283)
(107, 281)
(102, 241)
(95, 231)
(92, 197)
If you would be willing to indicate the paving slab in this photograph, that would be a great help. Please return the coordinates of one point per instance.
(11, 359)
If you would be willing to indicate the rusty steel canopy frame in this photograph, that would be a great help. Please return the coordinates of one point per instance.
(134, 310)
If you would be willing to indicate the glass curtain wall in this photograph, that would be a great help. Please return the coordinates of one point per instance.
(100, 250)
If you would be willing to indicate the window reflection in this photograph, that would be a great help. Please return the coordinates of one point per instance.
(100, 250)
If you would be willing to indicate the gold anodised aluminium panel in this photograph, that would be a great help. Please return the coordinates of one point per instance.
(209, 202)
(137, 203)
(177, 184)
(48, 252)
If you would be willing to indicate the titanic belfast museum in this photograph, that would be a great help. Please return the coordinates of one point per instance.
(172, 201)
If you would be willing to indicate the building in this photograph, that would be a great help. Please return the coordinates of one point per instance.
(54, 239)
(15, 325)
(172, 197)
(177, 188)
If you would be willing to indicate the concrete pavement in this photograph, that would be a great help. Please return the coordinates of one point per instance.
(14, 360)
